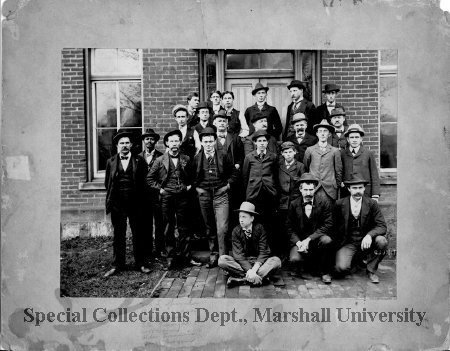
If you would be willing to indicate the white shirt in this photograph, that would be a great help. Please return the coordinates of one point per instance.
(183, 131)
(355, 206)
(331, 106)
(125, 162)
(289, 164)
(356, 150)
(149, 156)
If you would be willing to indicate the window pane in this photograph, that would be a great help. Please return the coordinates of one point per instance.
(105, 61)
(211, 80)
(105, 147)
(105, 102)
(130, 104)
(263, 60)
(388, 57)
(388, 150)
(307, 72)
(388, 99)
(128, 61)
(277, 60)
(242, 61)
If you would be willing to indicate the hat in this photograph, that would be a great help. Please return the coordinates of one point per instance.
(324, 124)
(257, 116)
(296, 83)
(203, 105)
(208, 131)
(221, 114)
(354, 128)
(355, 180)
(259, 87)
(172, 132)
(338, 111)
(150, 132)
(247, 207)
(308, 178)
(298, 117)
(331, 87)
(122, 133)
(178, 108)
(287, 145)
(260, 133)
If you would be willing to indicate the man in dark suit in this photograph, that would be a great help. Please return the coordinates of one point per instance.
(323, 111)
(190, 142)
(274, 126)
(357, 161)
(251, 262)
(301, 139)
(260, 122)
(361, 230)
(309, 223)
(337, 138)
(124, 183)
(151, 204)
(204, 115)
(214, 174)
(192, 102)
(299, 105)
(235, 123)
(171, 176)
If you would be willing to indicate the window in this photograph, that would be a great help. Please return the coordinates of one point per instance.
(388, 109)
(116, 102)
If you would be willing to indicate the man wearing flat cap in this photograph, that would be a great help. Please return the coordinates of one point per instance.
(260, 122)
(299, 105)
(274, 126)
(324, 161)
(214, 175)
(125, 183)
(309, 223)
(323, 111)
(151, 205)
(358, 161)
(251, 262)
(360, 230)
(190, 142)
(301, 138)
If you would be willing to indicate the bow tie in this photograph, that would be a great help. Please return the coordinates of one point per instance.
(124, 157)
(248, 233)
(221, 136)
(172, 156)
(331, 105)
(307, 203)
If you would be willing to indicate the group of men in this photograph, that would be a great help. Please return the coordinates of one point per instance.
(308, 198)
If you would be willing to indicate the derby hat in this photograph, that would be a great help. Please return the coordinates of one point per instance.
(172, 132)
(257, 116)
(122, 133)
(355, 180)
(259, 87)
(331, 87)
(208, 131)
(338, 111)
(247, 207)
(221, 114)
(354, 128)
(203, 105)
(151, 133)
(324, 124)
(298, 117)
(260, 133)
(179, 107)
(287, 145)
(296, 83)
(308, 178)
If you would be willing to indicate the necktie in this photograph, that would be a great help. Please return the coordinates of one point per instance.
(248, 233)
(353, 152)
(124, 157)
(210, 159)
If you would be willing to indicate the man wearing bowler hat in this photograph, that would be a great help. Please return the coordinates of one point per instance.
(301, 138)
(171, 176)
(260, 122)
(125, 183)
(360, 230)
(338, 138)
(204, 115)
(323, 111)
(299, 105)
(309, 223)
(214, 174)
(274, 126)
(251, 262)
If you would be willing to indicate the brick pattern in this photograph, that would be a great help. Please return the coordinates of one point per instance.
(356, 72)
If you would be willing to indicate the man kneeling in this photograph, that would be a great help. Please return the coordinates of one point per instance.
(251, 261)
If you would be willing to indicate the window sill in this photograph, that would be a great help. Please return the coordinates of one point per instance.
(92, 186)
(388, 178)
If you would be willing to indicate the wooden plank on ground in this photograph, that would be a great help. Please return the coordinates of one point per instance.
(268, 291)
(175, 288)
(187, 287)
(194, 271)
(164, 287)
(281, 292)
(197, 289)
(313, 289)
(244, 291)
(210, 284)
(219, 290)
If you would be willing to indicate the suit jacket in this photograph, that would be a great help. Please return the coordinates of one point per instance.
(235, 148)
(148, 190)
(338, 141)
(250, 146)
(198, 127)
(242, 248)
(362, 165)
(325, 165)
(157, 177)
(306, 107)
(372, 220)
(320, 113)
(225, 167)
(288, 183)
(274, 126)
(234, 124)
(321, 220)
(308, 140)
(187, 146)
(139, 169)
(258, 174)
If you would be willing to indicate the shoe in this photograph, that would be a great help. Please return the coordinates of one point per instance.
(170, 263)
(373, 277)
(144, 269)
(232, 281)
(326, 279)
(111, 272)
(193, 262)
(212, 262)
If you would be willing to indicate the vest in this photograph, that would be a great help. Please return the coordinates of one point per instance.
(173, 177)
(211, 179)
(307, 224)
(354, 226)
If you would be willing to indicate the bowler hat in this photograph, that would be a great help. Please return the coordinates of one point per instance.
(247, 207)
(172, 132)
(203, 105)
(338, 111)
(260, 133)
(257, 116)
(331, 87)
(354, 128)
(122, 133)
(221, 114)
(308, 178)
(296, 83)
(324, 124)
(287, 145)
(355, 180)
(179, 107)
(298, 117)
(259, 87)
(208, 131)
(149, 132)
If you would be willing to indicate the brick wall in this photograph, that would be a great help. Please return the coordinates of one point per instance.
(356, 72)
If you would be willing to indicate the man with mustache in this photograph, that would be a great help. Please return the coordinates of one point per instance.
(301, 138)
(361, 230)
(337, 139)
(260, 123)
(124, 183)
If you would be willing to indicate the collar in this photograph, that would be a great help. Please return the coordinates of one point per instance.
(303, 137)
(356, 149)
(289, 164)
(203, 123)
(183, 129)
(212, 153)
(321, 145)
(354, 203)
(258, 104)
(297, 102)
(224, 135)
(127, 155)
(340, 130)
(331, 103)
(228, 111)
(150, 153)
(262, 152)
